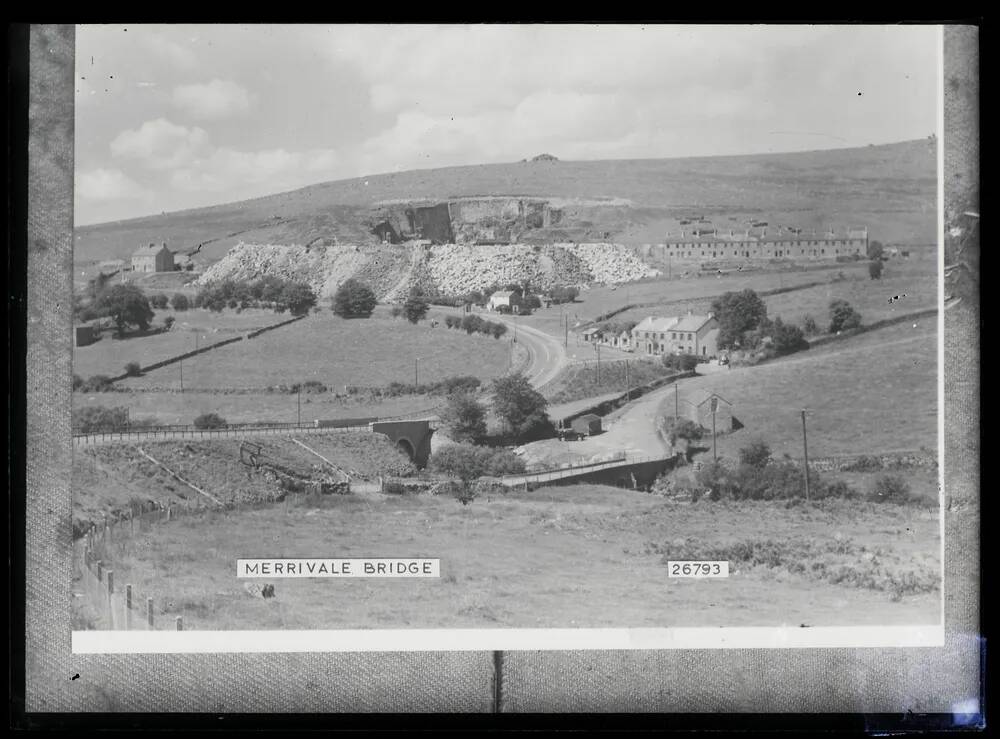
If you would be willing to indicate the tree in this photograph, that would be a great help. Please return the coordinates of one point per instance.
(415, 307)
(467, 462)
(756, 454)
(100, 418)
(875, 269)
(532, 302)
(298, 297)
(843, 316)
(475, 297)
(127, 306)
(809, 326)
(464, 417)
(520, 406)
(168, 322)
(180, 302)
(736, 313)
(875, 250)
(132, 369)
(158, 301)
(354, 299)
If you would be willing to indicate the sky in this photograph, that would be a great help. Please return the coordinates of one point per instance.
(170, 117)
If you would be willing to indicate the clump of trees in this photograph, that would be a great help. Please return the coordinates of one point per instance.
(468, 462)
(737, 313)
(93, 419)
(680, 362)
(353, 299)
(471, 323)
(520, 406)
(875, 250)
(843, 317)
(275, 292)
(159, 301)
(564, 294)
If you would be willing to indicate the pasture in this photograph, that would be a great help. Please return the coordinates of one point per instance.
(871, 393)
(370, 352)
(577, 556)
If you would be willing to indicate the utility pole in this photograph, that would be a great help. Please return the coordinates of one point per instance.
(715, 406)
(299, 395)
(416, 376)
(805, 452)
(565, 332)
(628, 387)
(677, 403)
(181, 363)
(598, 348)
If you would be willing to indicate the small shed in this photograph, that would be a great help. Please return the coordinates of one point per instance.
(588, 424)
(714, 404)
(85, 335)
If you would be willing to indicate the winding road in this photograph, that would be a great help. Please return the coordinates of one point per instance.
(547, 356)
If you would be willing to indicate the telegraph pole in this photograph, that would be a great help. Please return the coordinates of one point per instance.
(715, 405)
(565, 332)
(805, 452)
(628, 387)
(598, 348)
(299, 395)
(677, 403)
(416, 363)
(181, 363)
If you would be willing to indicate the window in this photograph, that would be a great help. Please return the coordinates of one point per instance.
(661, 337)
(690, 337)
(704, 350)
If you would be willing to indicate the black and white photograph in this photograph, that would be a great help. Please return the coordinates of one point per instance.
(569, 330)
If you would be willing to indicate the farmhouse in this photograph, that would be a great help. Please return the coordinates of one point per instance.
(695, 334)
(504, 299)
(650, 335)
(153, 258)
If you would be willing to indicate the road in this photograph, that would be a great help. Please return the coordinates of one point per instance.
(547, 354)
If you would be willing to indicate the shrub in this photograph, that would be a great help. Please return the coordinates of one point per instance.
(472, 323)
(875, 269)
(450, 321)
(132, 369)
(180, 302)
(397, 310)
(685, 429)
(756, 454)
(890, 489)
(296, 297)
(680, 362)
(99, 418)
(394, 488)
(210, 421)
(97, 384)
(809, 326)
(787, 338)
(842, 316)
(464, 417)
(77, 382)
(353, 299)
(158, 301)
(566, 294)
(864, 463)
(875, 250)
(467, 462)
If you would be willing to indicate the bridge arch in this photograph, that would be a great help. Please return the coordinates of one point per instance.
(413, 437)
(407, 446)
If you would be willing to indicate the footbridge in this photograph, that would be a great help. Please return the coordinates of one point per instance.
(637, 473)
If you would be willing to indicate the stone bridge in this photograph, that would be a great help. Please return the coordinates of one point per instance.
(638, 474)
(413, 437)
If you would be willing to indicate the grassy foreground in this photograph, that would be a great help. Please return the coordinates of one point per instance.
(577, 556)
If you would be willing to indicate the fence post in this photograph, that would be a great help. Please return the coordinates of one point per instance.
(128, 607)
(131, 520)
(111, 600)
(180, 624)
(149, 612)
(100, 570)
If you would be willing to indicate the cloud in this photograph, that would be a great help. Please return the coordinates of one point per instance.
(102, 185)
(178, 56)
(160, 144)
(253, 173)
(212, 100)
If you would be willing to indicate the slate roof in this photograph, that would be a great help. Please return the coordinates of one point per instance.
(149, 251)
(691, 323)
(653, 323)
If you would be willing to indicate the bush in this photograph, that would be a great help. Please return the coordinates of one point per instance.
(158, 301)
(97, 384)
(809, 326)
(99, 418)
(468, 462)
(180, 302)
(875, 250)
(397, 310)
(787, 338)
(353, 299)
(132, 369)
(864, 463)
(890, 489)
(756, 454)
(565, 294)
(210, 421)
(520, 406)
(415, 307)
(875, 269)
(842, 316)
(77, 382)
(464, 417)
(685, 429)
(680, 362)
(450, 321)
(472, 323)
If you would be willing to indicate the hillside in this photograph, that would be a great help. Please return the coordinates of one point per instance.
(891, 188)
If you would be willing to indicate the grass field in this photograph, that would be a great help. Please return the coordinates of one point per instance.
(338, 352)
(182, 408)
(192, 328)
(872, 393)
(578, 556)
